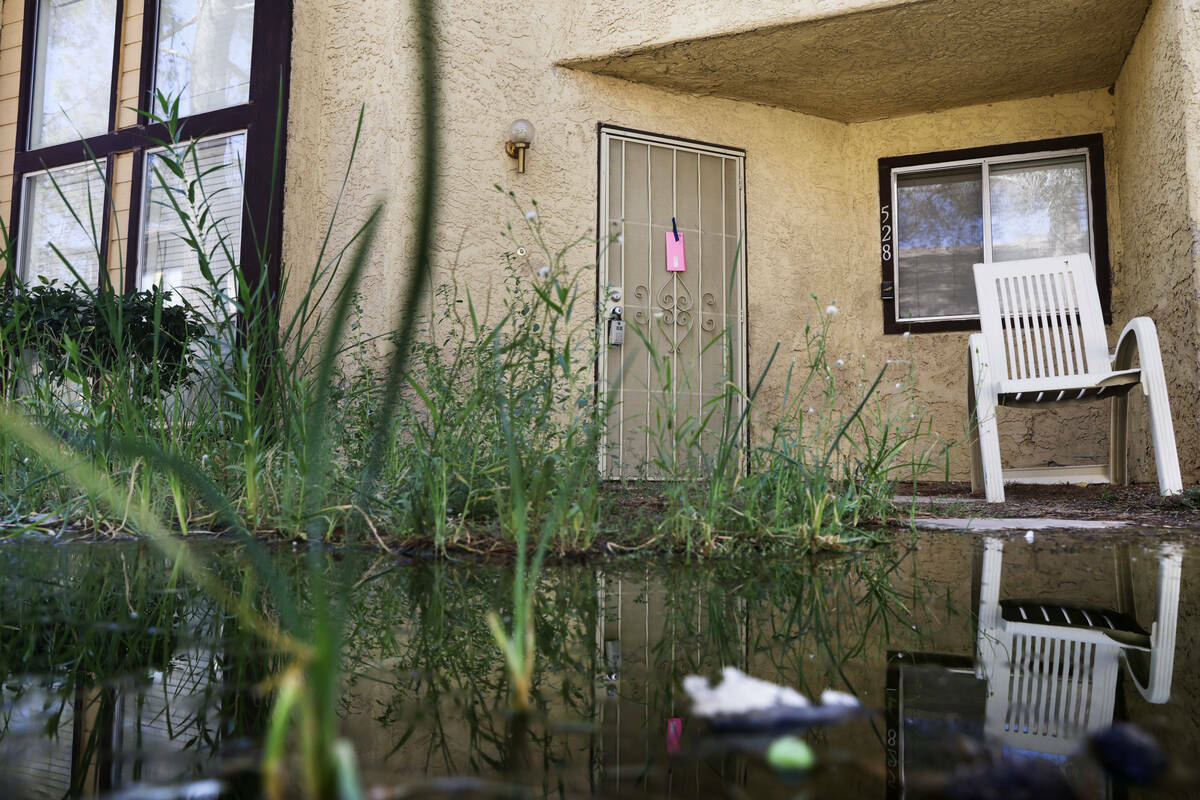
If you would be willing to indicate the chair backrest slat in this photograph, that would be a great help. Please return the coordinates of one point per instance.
(1058, 323)
(1071, 340)
(1050, 686)
(1050, 324)
(1037, 323)
(1046, 323)
(1041, 317)
(1026, 329)
(1014, 360)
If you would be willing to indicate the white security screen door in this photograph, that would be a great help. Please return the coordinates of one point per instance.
(684, 329)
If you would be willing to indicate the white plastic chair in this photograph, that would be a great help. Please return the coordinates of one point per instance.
(1051, 670)
(1042, 342)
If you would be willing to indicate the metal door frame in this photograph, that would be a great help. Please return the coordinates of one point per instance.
(607, 132)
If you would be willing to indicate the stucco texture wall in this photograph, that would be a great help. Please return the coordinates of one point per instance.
(811, 183)
(1158, 155)
(604, 26)
(1075, 434)
(855, 62)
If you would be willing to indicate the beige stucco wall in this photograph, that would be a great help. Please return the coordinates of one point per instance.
(1158, 155)
(604, 26)
(811, 183)
(1068, 435)
(855, 61)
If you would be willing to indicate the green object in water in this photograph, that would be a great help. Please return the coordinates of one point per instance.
(790, 753)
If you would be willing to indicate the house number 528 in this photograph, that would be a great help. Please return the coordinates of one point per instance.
(885, 232)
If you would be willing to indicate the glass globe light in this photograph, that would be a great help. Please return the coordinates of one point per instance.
(521, 131)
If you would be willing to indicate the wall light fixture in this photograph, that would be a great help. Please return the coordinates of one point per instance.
(520, 136)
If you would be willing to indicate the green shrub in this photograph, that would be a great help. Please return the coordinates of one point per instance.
(76, 333)
(474, 383)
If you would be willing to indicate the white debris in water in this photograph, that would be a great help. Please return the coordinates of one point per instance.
(738, 693)
(205, 789)
(832, 697)
(1029, 536)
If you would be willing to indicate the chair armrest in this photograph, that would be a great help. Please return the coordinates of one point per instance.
(1152, 675)
(1140, 334)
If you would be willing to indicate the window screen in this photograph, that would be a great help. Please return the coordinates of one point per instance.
(1039, 208)
(204, 53)
(939, 236)
(168, 258)
(951, 216)
(88, 142)
(63, 215)
(72, 79)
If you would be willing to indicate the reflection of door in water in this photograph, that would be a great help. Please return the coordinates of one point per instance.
(669, 394)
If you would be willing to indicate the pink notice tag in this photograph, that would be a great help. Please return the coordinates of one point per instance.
(674, 727)
(676, 258)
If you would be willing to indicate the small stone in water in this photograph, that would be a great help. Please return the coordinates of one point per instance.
(1129, 754)
(790, 753)
(1012, 779)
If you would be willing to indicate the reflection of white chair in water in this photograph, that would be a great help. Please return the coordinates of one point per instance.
(1051, 670)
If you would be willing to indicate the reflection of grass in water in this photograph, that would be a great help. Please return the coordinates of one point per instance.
(78, 613)
(442, 669)
(89, 628)
(419, 656)
(735, 613)
(767, 616)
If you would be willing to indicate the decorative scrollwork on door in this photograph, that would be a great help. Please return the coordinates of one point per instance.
(708, 321)
(675, 311)
(641, 293)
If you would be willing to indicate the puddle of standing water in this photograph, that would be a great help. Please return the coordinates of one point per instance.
(975, 653)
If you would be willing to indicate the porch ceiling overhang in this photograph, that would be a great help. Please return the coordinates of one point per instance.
(911, 57)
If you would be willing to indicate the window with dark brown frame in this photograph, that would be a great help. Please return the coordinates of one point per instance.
(941, 213)
(225, 62)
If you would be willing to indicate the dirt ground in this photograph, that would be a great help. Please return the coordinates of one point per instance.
(1137, 505)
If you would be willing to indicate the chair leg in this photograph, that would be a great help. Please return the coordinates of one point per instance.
(989, 447)
(1162, 431)
(973, 435)
(989, 650)
(1118, 442)
(985, 445)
